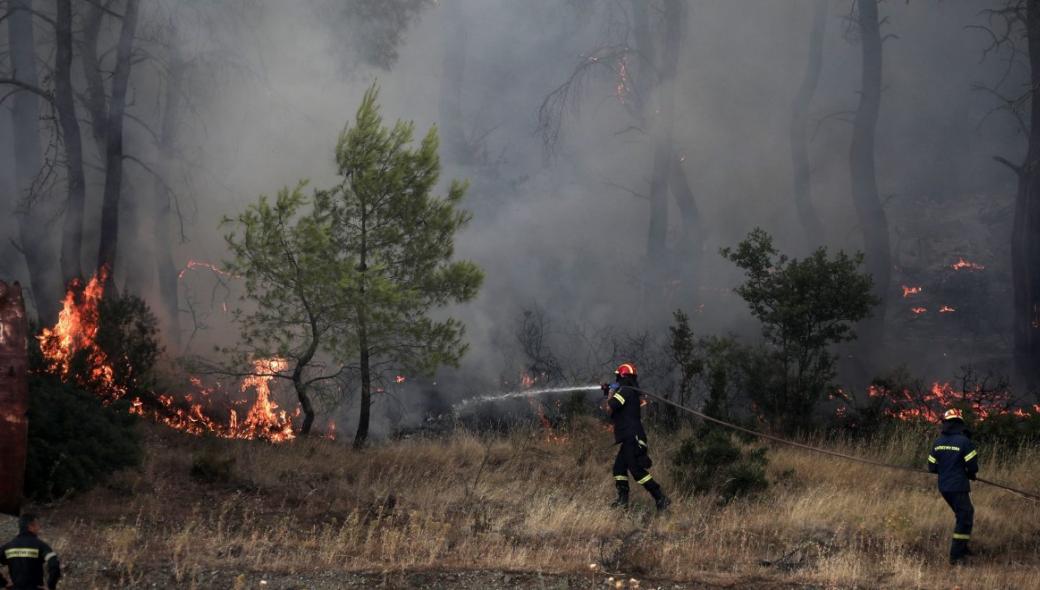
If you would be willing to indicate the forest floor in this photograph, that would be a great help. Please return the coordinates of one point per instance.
(526, 510)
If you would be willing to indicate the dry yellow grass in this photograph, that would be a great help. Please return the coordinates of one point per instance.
(522, 503)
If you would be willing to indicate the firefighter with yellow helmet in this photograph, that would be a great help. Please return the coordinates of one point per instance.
(955, 459)
(623, 403)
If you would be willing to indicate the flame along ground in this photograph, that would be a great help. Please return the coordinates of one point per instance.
(74, 337)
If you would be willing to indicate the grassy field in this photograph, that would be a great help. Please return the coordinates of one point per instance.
(525, 511)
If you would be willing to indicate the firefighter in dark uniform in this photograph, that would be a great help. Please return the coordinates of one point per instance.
(26, 557)
(955, 459)
(623, 401)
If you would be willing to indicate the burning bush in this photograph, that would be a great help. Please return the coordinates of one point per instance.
(108, 345)
(714, 463)
(74, 440)
(898, 398)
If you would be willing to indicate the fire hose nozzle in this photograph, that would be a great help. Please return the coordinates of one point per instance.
(606, 389)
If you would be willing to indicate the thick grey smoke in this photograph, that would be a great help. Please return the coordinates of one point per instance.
(566, 233)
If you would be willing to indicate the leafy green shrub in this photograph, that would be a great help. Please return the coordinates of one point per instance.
(128, 334)
(713, 463)
(74, 440)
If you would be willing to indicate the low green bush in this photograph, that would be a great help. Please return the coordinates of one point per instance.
(74, 441)
(714, 463)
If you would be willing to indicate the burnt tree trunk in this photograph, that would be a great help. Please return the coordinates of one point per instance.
(364, 415)
(40, 257)
(166, 268)
(807, 215)
(109, 236)
(655, 102)
(14, 397)
(865, 198)
(95, 92)
(65, 103)
(1025, 235)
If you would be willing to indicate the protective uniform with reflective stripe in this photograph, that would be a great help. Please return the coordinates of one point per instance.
(633, 456)
(955, 459)
(26, 557)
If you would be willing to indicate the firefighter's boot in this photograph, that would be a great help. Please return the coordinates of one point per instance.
(622, 494)
(660, 500)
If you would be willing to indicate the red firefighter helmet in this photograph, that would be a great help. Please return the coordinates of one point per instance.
(625, 369)
(953, 414)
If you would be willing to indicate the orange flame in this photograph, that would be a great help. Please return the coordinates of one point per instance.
(75, 333)
(918, 310)
(963, 264)
(199, 264)
(908, 290)
(74, 336)
(550, 434)
(400, 379)
(946, 309)
(526, 380)
(930, 405)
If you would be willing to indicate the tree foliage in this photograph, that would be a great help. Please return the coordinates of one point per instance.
(393, 245)
(74, 440)
(354, 272)
(805, 306)
(283, 251)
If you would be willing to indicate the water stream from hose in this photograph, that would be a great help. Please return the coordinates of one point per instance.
(517, 394)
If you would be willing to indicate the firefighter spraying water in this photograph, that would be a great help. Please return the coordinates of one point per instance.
(623, 403)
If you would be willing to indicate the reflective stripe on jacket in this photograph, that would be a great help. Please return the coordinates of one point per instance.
(955, 458)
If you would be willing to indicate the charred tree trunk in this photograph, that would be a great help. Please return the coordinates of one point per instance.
(109, 237)
(65, 102)
(14, 397)
(364, 414)
(1025, 235)
(650, 77)
(693, 237)
(95, 91)
(39, 255)
(166, 269)
(865, 198)
(807, 215)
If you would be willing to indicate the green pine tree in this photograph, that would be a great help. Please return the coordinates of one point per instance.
(394, 243)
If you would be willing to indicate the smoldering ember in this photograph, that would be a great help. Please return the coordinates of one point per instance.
(519, 294)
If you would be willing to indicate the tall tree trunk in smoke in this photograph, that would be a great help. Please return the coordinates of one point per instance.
(1025, 235)
(109, 237)
(163, 251)
(807, 215)
(39, 256)
(865, 198)
(690, 247)
(95, 92)
(649, 78)
(455, 36)
(65, 103)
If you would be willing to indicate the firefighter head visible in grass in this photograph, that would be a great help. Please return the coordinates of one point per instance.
(623, 404)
